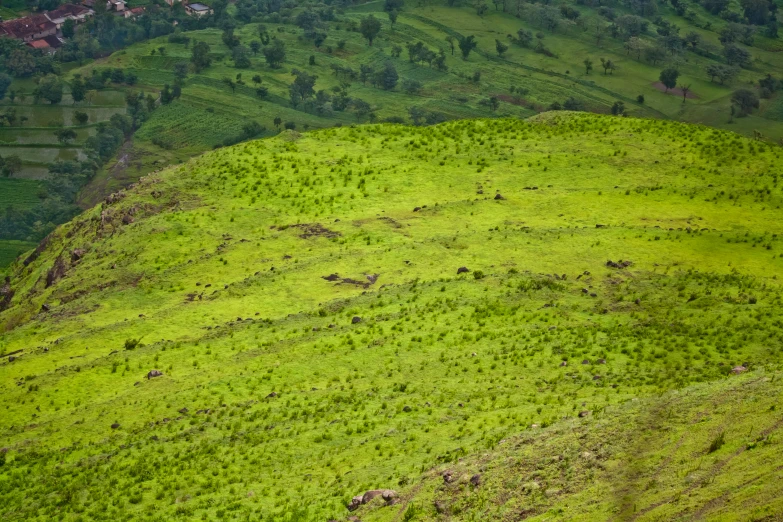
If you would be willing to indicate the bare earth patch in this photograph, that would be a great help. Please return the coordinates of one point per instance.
(676, 91)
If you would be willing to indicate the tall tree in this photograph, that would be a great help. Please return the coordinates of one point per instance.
(69, 28)
(685, 88)
(229, 38)
(50, 88)
(387, 77)
(78, 89)
(608, 65)
(370, 27)
(199, 56)
(302, 88)
(181, 70)
(736, 55)
(466, 45)
(275, 54)
(746, 100)
(450, 40)
(588, 65)
(65, 135)
(500, 47)
(668, 77)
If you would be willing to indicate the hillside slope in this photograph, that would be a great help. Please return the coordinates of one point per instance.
(654, 459)
(301, 297)
(524, 80)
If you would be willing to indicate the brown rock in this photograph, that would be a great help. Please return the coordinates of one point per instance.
(369, 495)
(355, 503)
(77, 254)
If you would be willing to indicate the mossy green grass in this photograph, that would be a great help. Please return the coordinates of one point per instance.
(302, 298)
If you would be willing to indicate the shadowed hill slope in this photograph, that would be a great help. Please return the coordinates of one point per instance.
(301, 297)
(709, 452)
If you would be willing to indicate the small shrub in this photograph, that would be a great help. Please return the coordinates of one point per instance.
(717, 442)
(411, 513)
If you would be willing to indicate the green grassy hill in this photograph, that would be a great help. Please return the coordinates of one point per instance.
(546, 69)
(304, 298)
(209, 111)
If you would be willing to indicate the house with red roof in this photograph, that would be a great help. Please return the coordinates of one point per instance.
(29, 28)
(77, 13)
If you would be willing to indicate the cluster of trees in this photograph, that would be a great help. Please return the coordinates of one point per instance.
(760, 13)
(302, 93)
(639, 43)
(21, 61)
(421, 116)
(273, 50)
(249, 131)
(419, 53)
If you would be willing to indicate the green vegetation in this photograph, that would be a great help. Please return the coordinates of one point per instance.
(10, 250)
(450, 61)
(651, 459)
(256, 67)
(19, 193)
(555, 304)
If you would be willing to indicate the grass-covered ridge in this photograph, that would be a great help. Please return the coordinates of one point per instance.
(523, 81)
(239, 275)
